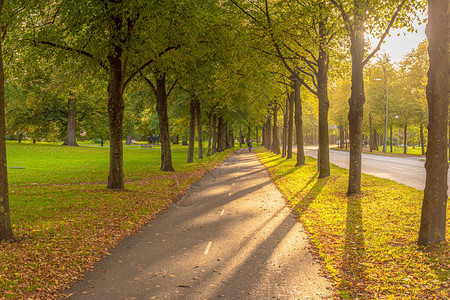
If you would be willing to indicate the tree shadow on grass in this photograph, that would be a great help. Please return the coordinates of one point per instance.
(354, 248)
(314, 191)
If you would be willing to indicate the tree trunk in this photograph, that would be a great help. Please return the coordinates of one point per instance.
(193, 105)
(290, 125)
(285, 122)
(434, 208)
(298, 124)
(375, 140)
(176, 140)
(421, 139)
(276, 140)
(221, 135)
(163, 118)
(371, 139)
(209, 133)
(5, 220)
(71, 136)
(269, 134)
(227, 136)
(257, 136)
(356, 104)
(248, 133)
(214, 144)
(241, 137)
(405, 133)
(324, 104)
(391, 136)
(116, 108)
(199, 130)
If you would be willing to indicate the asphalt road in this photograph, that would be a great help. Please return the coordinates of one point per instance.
(409, 171)
(231, 236)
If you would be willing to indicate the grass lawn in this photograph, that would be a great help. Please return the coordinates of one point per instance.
(366, 243)
(63, 217)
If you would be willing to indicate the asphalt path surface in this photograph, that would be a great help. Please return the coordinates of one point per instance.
(409, 170)
(231, 236)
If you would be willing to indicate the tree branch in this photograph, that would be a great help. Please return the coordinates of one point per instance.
(71, 49)
(171, 88)
(394, 16)
(346, 19)
(138, 70)
(150, 83)
(244, 11)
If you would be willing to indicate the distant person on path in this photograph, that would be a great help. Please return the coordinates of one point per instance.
(249, 144)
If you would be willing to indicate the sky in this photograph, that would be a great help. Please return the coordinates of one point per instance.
(398, 46)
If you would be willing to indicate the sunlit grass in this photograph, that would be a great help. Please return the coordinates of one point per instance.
(367, 242)
(64, 218)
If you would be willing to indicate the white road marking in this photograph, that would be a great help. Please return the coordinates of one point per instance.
(397, 168)
(223, 211)
(207, 248)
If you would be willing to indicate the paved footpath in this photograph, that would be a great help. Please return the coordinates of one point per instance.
(231, 236)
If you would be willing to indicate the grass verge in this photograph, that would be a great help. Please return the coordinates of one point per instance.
(62, 228)
(367, 243)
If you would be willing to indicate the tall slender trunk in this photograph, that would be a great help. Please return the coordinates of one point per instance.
(163, 118)
(221, 135)
(434, 208)
(276, 140)
(290, 125)
(248, 133)
(405, 138)
(421, 139)
(356, 104)
(341, 136)
(298, 124)
(324, 103)
(214, 144)
(371, 139)
(5, 219)
(257, 135)
(285, 122)
(269, 134)
(241, 137)
(193, 105)
(199, 130)
(375, 139)
(71, 137)
(391, 137)
(227, 136)
(116, 107)
(209, 133)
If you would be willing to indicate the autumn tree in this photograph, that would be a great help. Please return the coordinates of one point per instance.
(109, 34)
(379, 17)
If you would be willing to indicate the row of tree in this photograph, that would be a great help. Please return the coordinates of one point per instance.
(220, 60)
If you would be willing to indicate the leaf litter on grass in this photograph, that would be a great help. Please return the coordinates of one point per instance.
(368, 243)
(62, 230)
